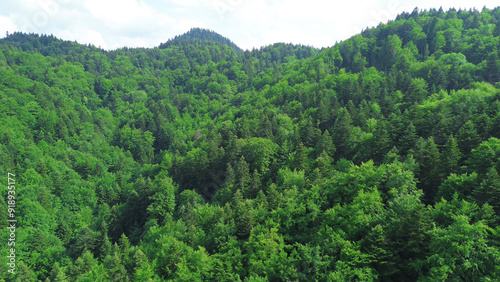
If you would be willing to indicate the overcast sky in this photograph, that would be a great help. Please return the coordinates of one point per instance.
(111, 24)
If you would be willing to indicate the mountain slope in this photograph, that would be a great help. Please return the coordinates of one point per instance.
(376, 159)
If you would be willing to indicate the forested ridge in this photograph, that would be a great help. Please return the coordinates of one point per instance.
(376, 159)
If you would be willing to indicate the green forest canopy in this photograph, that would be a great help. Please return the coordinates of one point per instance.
(374, 160)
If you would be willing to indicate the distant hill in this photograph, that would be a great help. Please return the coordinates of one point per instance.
(47, 45)
(200, 34)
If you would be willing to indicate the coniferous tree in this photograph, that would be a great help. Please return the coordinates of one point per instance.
(325, 144)
(300, 157)
(392, 156)
(467, 138)
(106, 247)
(453, 78)
(496, 31)
(489, 190)
(143, 270)
(230, 176)
(417, 91)
(254, 187)
(242, 174)
(115, 268)
(242, 216)
(492, 71)
(495, 126)
(323, 114)
(39, 241)
(381, 142)
(342, 130)
(451, 156)
(57, 274)
(309, 134)
(430, 171)
(375, 245)
(87, 240)
(265, 129)
(408, 138)
(24, 273)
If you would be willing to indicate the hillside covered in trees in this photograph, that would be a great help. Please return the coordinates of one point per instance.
(376, 159)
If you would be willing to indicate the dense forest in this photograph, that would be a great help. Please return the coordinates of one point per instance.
(376, 159)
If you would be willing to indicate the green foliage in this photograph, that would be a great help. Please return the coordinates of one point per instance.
(489, 190)
(485, 156)
(452, 59)
(163, 199)
(463, 185)
(267, 254)
(375, 159)
(460, 251)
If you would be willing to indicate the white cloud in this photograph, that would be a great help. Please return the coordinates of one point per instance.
(189, 3)
(85, 35)
(250, 24)
(123, 14)
(6, 25)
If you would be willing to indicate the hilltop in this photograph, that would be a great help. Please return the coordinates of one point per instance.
(199, 34)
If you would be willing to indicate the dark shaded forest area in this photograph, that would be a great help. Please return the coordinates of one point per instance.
(374, 160)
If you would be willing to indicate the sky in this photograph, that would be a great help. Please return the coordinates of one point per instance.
(112, 24)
